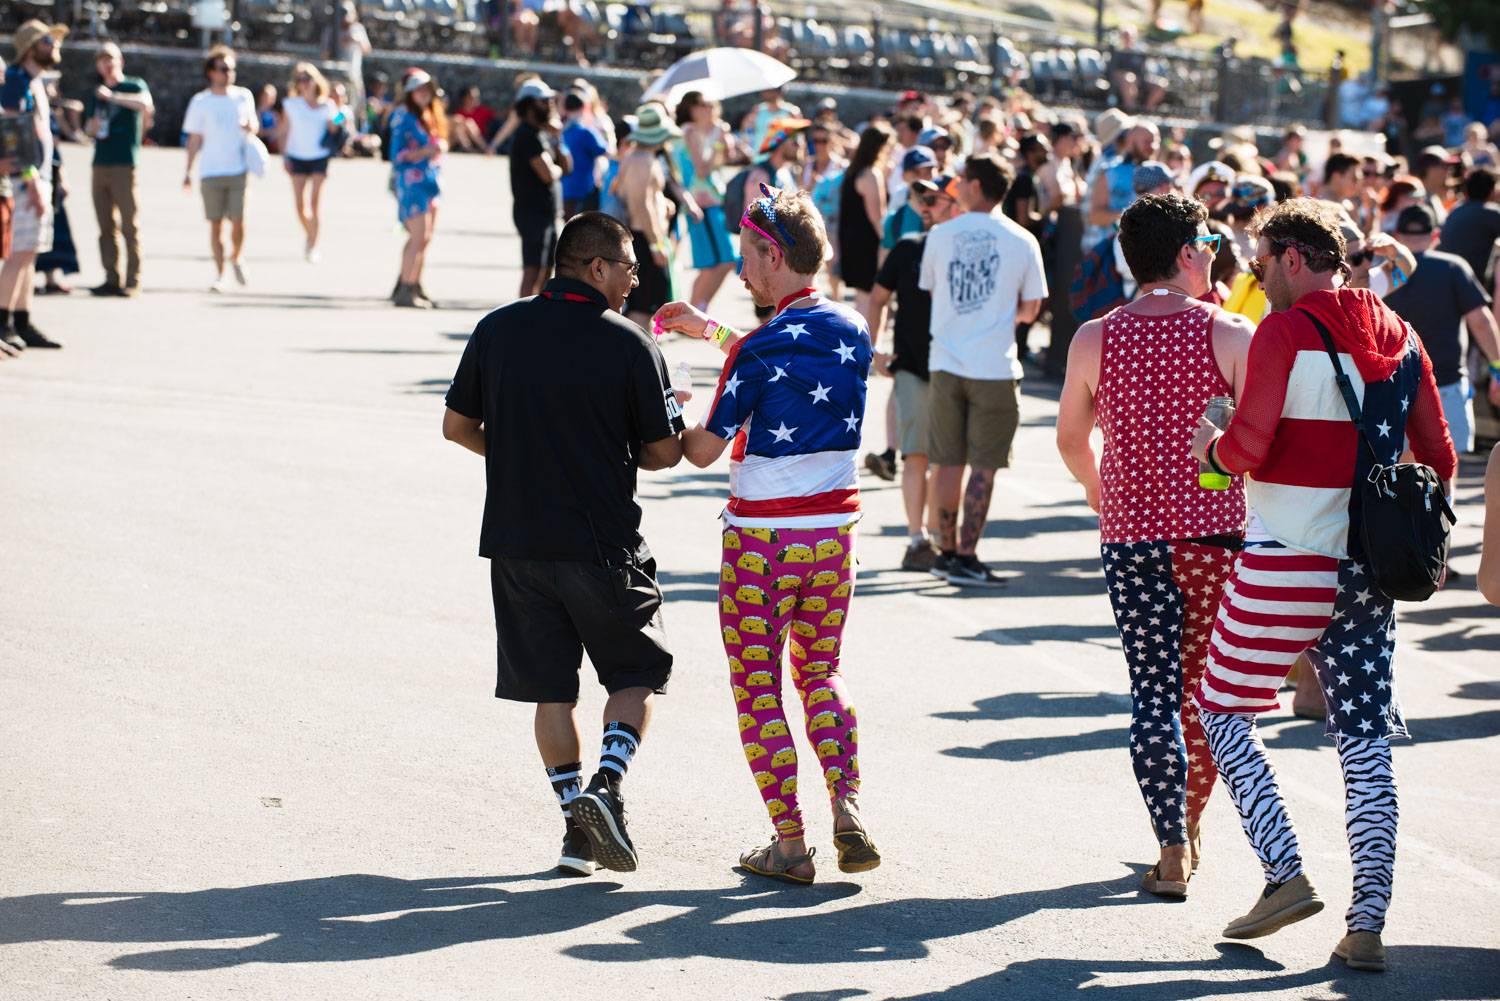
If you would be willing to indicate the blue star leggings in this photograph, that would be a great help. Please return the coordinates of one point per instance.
(1164, 595)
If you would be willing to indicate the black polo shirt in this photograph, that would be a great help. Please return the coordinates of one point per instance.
(568, 391)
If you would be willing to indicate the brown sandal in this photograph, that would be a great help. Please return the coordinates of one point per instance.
(1152, 882)
(763, 862)
(857, 853)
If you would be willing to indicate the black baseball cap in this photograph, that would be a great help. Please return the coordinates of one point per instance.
(1416, 220)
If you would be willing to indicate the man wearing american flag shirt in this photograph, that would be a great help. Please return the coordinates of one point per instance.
(1301, 583)
(792, 400)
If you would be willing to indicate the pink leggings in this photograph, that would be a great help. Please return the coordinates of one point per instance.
(777, 583)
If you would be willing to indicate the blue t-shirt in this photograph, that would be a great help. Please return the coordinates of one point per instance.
(899, 222)
(585, 148)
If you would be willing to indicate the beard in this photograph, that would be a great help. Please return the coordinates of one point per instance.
(46, 58)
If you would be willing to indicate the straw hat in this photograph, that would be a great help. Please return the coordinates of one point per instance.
(654, 125)
(34, 31)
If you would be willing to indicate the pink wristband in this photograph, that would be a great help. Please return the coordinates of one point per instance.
(717, 332)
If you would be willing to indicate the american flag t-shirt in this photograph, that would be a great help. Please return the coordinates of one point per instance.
(792, 398)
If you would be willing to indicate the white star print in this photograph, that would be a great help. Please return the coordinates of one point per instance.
(782, 433)
(780, 372)
(795, 329)
(852, 421)
(1384, 428)
(820, 395)
(845, 351)
(732, 384)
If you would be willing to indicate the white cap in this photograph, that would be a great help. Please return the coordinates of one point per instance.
(534, 88)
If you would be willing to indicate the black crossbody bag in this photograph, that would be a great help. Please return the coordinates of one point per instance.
(1406, 517)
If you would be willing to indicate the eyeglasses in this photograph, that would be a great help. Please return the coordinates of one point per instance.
(1211, 242)
(928, 201)
(634, 266)
(767, 206)
(221, 68)
(304, 78)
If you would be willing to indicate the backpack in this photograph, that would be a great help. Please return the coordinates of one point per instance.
(734, 197)
(1097, 286)
(1405, 516)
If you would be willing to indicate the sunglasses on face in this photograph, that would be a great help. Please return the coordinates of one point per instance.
(1360, 257)
(221, 68)
(1258, 267)
(1211, 242)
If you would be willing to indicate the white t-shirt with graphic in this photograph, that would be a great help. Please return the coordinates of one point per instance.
(220, 120)
(978, 268)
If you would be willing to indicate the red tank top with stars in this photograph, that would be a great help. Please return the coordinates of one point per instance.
(1156, 374)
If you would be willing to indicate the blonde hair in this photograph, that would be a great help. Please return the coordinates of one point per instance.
(798, 218)
(319, 81)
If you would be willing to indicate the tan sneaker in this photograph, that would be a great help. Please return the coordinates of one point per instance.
(1290, 902)
(1362, 950)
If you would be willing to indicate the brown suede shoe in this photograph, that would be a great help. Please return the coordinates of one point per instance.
(1290, 902)
(1361, 950)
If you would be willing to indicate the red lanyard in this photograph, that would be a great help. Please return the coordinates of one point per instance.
(799, 294)
(566, 296)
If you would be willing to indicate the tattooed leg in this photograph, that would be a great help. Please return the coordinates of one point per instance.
(976, 509)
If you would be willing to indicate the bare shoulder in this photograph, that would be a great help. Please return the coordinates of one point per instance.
(1233, 327)
(1087, 339)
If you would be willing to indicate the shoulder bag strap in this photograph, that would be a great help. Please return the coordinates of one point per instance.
(1346, 387)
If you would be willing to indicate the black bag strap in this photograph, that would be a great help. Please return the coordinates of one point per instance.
(1346, 387)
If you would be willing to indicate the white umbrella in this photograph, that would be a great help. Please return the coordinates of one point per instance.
(720, 74)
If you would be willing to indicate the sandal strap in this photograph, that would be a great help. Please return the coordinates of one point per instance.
(766, 858)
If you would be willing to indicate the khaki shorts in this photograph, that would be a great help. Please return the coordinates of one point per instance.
(223, 197)
(31, 231)
(973, 421)
(913, 404)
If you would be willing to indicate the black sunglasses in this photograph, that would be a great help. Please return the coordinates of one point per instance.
(1360, 256)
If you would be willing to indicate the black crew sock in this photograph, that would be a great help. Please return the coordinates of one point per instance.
(889, 455)
(4, 319)
(950, 554)
(621, 741)
(566, 782)
(22, 319)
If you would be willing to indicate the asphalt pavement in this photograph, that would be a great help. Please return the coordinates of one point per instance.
(250, 747)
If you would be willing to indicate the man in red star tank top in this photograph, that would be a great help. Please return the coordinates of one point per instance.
(1144, 373)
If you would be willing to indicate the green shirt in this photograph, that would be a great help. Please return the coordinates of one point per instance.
(119, 135)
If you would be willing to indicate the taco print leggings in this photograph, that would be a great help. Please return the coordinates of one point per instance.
(781, 587)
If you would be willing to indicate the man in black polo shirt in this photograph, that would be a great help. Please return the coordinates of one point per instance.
(935, 201)
(1439, 299)
(566, 399)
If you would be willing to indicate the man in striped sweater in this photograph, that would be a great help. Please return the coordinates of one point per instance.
(1300, 585)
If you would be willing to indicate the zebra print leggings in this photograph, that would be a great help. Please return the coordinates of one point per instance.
(1370, 810)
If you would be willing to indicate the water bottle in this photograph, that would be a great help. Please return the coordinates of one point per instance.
(1219, 413)
(682, 378)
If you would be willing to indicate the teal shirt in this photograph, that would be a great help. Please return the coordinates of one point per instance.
(119, 135)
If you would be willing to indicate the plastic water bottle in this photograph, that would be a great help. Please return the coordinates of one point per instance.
(1219, 413)
(682, 378)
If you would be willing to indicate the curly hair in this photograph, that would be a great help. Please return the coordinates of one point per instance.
(1308, 224)
(1154, 229)
(793, 215)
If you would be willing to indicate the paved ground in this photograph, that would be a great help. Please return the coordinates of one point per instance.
(245, 646)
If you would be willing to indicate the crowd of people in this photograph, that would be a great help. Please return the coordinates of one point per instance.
(926, 244)
(1233, 552)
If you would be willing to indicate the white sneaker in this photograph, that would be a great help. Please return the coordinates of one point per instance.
(217, 285)
(312, 256)
(239, 273)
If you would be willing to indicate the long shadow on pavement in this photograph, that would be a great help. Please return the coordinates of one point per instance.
(1417, 973)
(1043, 705)
(358, 917)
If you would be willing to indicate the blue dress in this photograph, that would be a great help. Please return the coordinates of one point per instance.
(417, 184)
